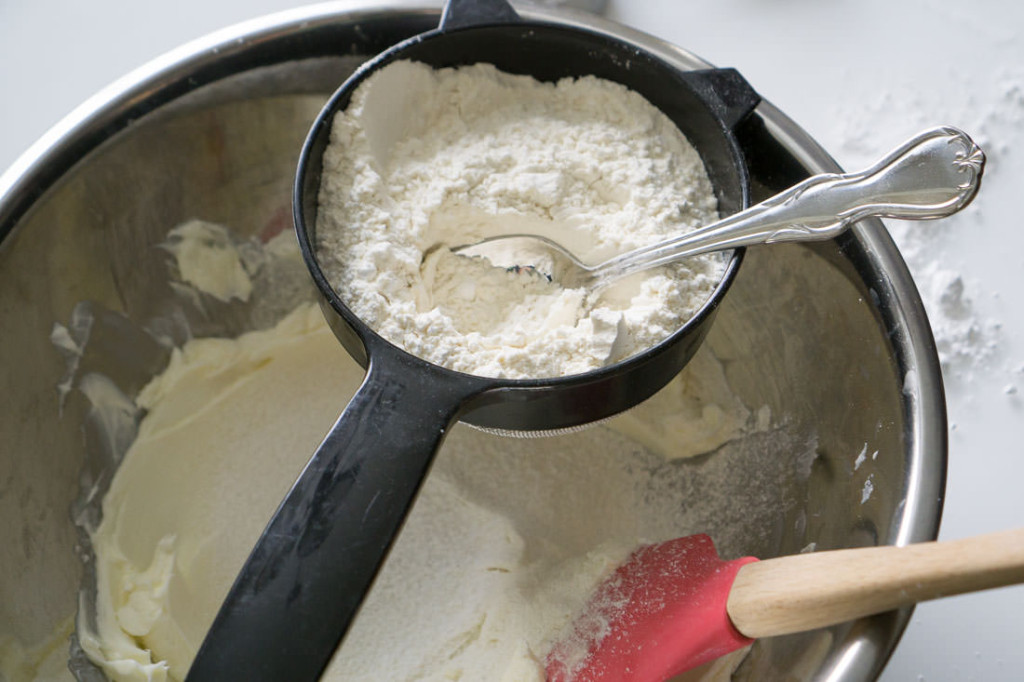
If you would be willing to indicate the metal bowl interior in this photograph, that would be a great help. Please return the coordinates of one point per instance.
(831, 338)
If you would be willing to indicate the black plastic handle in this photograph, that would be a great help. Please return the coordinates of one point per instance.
(725, 91)
(332, 533)
(460, 13)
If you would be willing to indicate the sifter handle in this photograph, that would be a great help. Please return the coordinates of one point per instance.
(461, 13)
(303, 583)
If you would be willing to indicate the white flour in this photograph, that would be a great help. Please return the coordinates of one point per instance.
(423, 160)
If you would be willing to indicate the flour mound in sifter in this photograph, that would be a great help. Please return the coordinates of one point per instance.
(424, 160)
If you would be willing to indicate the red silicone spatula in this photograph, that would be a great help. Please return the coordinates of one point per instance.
(676, 605)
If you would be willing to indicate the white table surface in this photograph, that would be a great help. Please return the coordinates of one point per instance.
(859, 77)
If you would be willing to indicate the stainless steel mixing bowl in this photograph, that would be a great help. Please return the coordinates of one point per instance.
(831, 339)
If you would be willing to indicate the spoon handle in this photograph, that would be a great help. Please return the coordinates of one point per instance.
(932, 175)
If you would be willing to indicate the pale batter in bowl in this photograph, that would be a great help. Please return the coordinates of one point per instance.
(505, 544)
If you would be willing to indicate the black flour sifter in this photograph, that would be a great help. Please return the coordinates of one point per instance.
(302, 586)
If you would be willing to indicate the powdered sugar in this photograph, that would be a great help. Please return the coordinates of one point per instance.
(423, 160)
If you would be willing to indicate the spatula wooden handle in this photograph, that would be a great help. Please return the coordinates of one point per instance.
(808, 591)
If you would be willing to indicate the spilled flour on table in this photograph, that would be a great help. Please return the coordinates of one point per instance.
(966, 328)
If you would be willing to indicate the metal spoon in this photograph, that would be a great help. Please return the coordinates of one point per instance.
(932, 175)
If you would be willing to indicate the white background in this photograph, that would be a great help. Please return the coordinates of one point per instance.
(859, 77)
